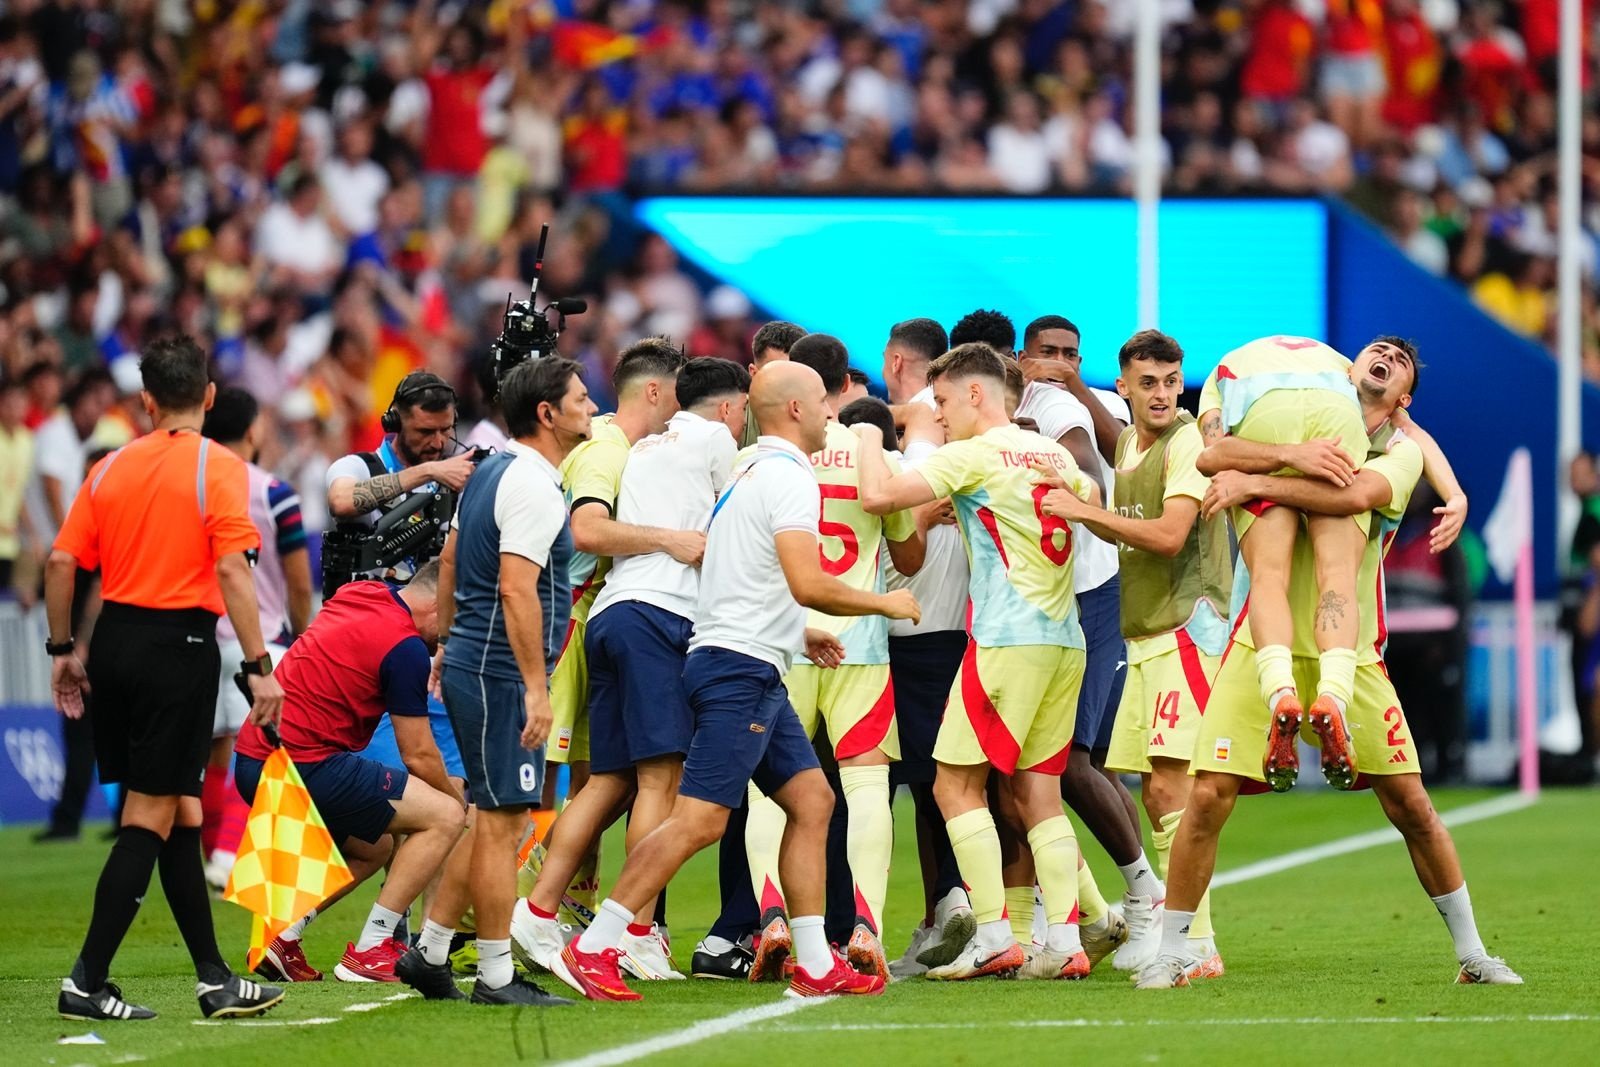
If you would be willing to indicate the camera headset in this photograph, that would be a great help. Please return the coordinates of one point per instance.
(410, 390)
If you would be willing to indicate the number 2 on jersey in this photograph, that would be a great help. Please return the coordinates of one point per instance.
(840, 530)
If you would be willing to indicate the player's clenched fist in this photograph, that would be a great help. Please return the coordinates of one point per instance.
(900, 604)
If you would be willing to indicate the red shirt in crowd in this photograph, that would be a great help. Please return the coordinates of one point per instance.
(455, 142)
(1279, 57)
(596, 152)
(1414, 60)
(361, 656)
(1354, 26)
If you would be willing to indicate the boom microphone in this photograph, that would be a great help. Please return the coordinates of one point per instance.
(570, 305)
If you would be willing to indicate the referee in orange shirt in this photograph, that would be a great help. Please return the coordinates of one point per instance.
(166, 520)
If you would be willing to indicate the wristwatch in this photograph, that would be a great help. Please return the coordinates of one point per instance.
(63, 649)
(258, 667)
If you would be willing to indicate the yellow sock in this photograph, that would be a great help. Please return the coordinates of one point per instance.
(585, 887)
(763, 837)
(1200, 926)
(1092, 905)
(977, 847)
(1274, 670)
(1338, 675)
(1019, 911)
(1055, 863)
(869, 842)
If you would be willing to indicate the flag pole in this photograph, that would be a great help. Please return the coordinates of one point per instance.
(1147, 156)
(1527, 701)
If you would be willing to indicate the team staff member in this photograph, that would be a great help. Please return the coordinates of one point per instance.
(282, 576)
(506, 568)
(761, 571)
(154, 668)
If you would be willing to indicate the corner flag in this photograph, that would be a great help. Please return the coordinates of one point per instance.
(288, 863)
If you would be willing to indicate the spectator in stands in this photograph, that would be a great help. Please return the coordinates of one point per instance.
(16, 465)
(61, 449)
(1424, 247)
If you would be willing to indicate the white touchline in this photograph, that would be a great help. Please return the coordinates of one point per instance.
(1112, 1024)
(690, 1035)
(1487, 809)
(708, 1028)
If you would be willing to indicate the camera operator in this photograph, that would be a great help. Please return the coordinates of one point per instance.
(419, 454)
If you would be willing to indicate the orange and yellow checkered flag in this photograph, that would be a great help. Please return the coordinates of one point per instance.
(288, 863)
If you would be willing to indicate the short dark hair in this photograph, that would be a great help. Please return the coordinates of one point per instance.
(825, 354)
(987, 327)
(1409, 347)
(922, 337)
(870, 409)
(38, 369)
(174, 373)
(649, 357)
(777, 334)
(232, 414)
(425, 390)
(531, 383)
(96, 378)
(1152, 345)
(710, 376)
(1049, 322)
(974, 359)
(857, 375)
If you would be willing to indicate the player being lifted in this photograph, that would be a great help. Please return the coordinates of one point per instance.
(1012, 706)
(1226, 753)
(1176, 574)
(854, 700)
(1296, 392)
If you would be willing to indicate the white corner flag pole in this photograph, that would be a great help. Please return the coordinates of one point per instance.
(1508, 543)
(1147, 156)
(1569, 389)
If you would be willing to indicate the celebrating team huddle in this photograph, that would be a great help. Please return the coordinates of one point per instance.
(1003, 591)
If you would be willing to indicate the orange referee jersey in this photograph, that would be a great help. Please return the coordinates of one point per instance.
(156, 515)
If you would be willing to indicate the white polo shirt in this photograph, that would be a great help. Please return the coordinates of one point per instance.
(672, 480)
(744, 604)
(1056, 411)
(941, 585)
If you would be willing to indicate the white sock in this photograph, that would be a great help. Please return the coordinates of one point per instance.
(494, 962)
(996, 935)
(1063, 937)
(610, 923)
(717, 945)
(810, 945)
(297, 930)
(381, 925)
(1175, 933)
(1141, 878)
(1456, 910)
(435, 942)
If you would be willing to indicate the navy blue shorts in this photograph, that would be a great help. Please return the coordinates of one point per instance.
(744, 728)
(488, 714)
(922, 668)
(352, 794)
(1104, 667)
(637, 709)
(385, 749)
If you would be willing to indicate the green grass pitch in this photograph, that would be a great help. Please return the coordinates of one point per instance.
(1340, 961)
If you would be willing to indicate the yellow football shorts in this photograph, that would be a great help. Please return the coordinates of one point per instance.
(569, 701)
(1232, 737)
(1162, 704)
(1294, 416)
(854, 699)
(1013, 708)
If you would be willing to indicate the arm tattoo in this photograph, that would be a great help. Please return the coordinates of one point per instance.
(371, 493)
(1211, 429)
(1330, 612)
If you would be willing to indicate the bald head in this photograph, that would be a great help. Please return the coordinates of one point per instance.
(790, 402)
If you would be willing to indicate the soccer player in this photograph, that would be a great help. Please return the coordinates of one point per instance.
(1229, 742)
(1285, 391)
(770, 344)
(1012, 707)
(505, 568)
(761, 572)
(854, 701)
(1176, 579)
(925, 656)
(282, 576)
(638, 636)
(365, 656)
(643, 383)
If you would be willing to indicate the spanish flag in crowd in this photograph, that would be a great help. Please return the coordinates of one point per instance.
(288, 863)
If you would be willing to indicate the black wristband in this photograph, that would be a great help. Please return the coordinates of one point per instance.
(63, 649)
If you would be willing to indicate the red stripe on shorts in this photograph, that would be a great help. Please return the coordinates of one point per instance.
(1244, 609)
(994, 739)
(867, 734)
(1193, 672)
(1055, 764)
(1259, 508)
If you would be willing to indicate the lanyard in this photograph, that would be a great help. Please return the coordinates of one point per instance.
(727, 493)
(386, 456)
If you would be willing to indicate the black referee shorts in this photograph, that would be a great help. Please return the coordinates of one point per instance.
(153, 676)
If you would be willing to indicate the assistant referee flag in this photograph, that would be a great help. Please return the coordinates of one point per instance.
(288, 863)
